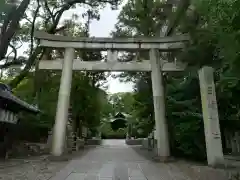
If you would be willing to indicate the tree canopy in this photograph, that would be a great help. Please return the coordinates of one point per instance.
(20, 54)
(214, 42)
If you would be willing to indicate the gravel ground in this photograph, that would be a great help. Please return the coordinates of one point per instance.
(31, 169)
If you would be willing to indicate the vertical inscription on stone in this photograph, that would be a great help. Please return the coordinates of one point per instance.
(213, 112)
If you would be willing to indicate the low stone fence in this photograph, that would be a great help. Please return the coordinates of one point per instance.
(149, 144)
(80, 144)
(24, 149)
(93, 142)
(134, 141)
(145, 143)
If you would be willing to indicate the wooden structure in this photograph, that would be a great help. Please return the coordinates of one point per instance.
(119, 116)
(119, 121)
(10, 106)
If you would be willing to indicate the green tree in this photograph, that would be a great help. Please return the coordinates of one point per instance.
(41, 87)
(182, 92)
(20, 22)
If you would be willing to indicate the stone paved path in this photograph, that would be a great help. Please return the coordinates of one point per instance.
(116, 161)
(112, 161)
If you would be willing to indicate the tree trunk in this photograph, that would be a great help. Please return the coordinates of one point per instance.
(10, 26)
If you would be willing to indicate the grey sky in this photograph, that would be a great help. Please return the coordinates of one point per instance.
(103, 28)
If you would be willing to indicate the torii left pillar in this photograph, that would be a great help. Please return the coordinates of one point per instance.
(59, 133)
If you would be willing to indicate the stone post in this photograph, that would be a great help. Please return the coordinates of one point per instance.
(163, 150)
(49, 141)
(210, 117)
(128, 134)
(59, 133)
(99, 134)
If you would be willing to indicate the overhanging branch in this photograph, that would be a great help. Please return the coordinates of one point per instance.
(11, 27)
(33, 27)
(52, 30)
(176, 17)
(12, 63)
(14, 50)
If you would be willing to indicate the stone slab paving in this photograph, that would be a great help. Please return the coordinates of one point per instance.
(112, 161)
(116, 161)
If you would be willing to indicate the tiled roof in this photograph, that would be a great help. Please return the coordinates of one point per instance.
(5, 93)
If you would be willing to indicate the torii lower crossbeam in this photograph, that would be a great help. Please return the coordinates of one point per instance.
(143, 66)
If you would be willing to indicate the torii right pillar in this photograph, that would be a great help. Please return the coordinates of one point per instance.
(210, 117)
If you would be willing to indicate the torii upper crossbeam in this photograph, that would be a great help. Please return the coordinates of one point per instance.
(163, 43)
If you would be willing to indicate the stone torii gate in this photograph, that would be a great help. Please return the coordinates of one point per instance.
(156, 66)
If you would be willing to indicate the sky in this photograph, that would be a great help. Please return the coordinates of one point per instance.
(102, 28)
